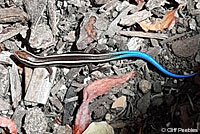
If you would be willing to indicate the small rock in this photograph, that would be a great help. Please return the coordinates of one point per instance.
(114, 14)
(156, 100)
(186, 47)
(62, 129)
(175, 81)
(135, 43)
(100, 2)
(144, 102)
(35, 122)
(157, 87)
(151, 4)
(140, 63)
(70, 37)
(198, 19)
(181, 29)
(108, 117)
(145, 86)
(154, 42)
(111, 42)
(192, 24)
(102, 47)
(154, 51)
(197, 58)
(198, 5)
(121, 6)
(102, 41)
(99, 128)
(41, 39)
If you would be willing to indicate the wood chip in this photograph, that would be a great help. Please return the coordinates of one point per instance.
(4, 105)
(10, 15)
(39, 87)
(129, 20)
(15, 82)
(143, 34)
(114, 27)
(56, 102)
(12, 33)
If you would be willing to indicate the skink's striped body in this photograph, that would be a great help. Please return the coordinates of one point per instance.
(77, 59)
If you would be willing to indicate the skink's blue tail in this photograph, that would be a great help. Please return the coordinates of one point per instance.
(138, 54)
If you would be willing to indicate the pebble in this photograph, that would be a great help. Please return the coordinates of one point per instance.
(197, 58)
(111, 42)
(192, 24)
(186, 47)
(114, 14)
(157, 100)
(108, 117)
(198, 19)
(157, 87)
(144, 102)
(63, 129)
(121, 6)
(35, 122)
(145, 86)
(102, 41)
(181, 29)
(135, 43)
(70, 37)
(175, 81)
(166, 57)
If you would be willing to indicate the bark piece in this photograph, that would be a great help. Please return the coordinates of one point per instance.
(4, 105)
(4, 80)
(10, 15)
(35, 9)
(52, 16)
(15, 82)
(56, 102)
(137, 17)
(41, 39)
(39, 87)
(12, 33)
(114, 28)
(143, 34)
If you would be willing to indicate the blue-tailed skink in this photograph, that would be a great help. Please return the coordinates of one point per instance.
(77, 59)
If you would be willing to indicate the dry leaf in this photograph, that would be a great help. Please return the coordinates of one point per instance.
(90, 29)
(119, 102)
(168, 19)
(139, 1)
(10, 124)
(82, 118)
(93, 90)
(100, 87)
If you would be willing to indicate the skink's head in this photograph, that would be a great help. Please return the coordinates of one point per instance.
(24, 56)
